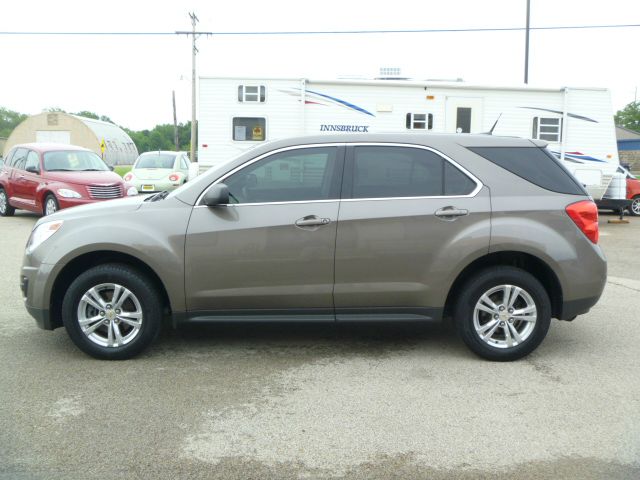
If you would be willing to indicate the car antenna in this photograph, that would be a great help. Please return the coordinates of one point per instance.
(490, 132)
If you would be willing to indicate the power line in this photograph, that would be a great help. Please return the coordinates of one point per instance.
(338, 32)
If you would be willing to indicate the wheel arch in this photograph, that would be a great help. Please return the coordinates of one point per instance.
(525, 261)
(92, 259)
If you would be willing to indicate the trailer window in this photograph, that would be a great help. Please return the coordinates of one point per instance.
(249, 129)
(419, 121)
(252, 93)
(548, 129)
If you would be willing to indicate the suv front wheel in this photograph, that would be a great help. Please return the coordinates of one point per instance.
(503, 313)
(112, 312)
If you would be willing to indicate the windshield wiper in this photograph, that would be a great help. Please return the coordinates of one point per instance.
(93, 170)
(159, 196)
(60, 170)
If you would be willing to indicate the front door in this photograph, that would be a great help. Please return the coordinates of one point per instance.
(464, 115)
(272, 248)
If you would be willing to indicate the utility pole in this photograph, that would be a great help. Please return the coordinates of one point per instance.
(194, 50)
(526, 45)
(176, 140)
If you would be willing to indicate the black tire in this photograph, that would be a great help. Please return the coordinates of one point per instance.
(470, 295)
(50, 197)
(6, 210)
(149, 303)
(635, 202)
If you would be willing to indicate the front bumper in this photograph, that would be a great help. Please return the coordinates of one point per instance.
(33, 284)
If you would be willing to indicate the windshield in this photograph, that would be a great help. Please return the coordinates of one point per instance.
(73, 161)
(156, 160)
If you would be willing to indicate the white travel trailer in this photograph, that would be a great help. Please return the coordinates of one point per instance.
(238, 113)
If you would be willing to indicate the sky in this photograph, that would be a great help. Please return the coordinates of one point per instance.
(131, 78)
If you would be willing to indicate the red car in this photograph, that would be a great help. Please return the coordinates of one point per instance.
(44, 178)
(633, 193)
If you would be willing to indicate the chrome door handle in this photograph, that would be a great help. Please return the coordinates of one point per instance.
(451, 213)
(312, 221)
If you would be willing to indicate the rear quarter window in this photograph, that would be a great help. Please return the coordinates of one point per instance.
(536, 165)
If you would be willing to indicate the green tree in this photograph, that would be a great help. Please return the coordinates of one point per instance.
(629, 117)
(9, 120)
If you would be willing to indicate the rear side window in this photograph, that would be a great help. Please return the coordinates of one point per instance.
(536, 165)
(392, 172)
(19, 157)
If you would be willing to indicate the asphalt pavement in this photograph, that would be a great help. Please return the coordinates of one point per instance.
(280, 401)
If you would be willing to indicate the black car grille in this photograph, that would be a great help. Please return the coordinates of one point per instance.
(105, 191)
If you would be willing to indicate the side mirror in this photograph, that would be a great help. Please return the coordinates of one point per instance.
(31, 169)
(111, 167)
(217, 195)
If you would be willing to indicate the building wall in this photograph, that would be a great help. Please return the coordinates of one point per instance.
(83, 132)
(632, 157)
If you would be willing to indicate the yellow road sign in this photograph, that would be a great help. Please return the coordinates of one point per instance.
(103, 146)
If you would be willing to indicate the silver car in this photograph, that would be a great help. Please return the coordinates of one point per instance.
(490, 233)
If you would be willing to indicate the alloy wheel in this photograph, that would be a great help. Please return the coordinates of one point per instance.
(635, 206)
(50, 207)
(505, 316)
(110, 315)
(3, 202)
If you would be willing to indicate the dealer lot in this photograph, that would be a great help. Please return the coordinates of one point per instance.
(325, 401)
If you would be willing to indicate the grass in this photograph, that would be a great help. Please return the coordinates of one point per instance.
(122, 169)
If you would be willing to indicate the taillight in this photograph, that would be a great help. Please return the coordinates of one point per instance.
(128, 177)
(174, 177)
(585, 215)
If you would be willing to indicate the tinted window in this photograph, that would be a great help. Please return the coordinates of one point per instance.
(456, 182)
(384, 172)
(294, 175)
(535, 165)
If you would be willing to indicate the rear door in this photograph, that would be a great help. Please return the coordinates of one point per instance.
(30, 179)
(407, 218)
(16, 178)
(272, 250)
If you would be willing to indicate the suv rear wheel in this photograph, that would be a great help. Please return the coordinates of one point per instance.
(503, 313)
(112, 312)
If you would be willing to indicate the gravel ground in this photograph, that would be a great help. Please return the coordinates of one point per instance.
(324, 401)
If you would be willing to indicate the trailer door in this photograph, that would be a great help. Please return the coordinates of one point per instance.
(464, 115)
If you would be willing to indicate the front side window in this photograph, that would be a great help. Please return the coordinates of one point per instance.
(419, 121)
(391, 172)
(295, 175)
(252, 93)
(249, 129)
(548, 129)
(33, 161)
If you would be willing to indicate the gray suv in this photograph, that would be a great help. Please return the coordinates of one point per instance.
(490, 232)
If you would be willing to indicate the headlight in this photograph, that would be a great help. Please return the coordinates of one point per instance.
(128, 177)
(132, 191)
(41, 233)
(67, 193)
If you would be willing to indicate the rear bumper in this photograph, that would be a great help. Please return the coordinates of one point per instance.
(573, 308)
